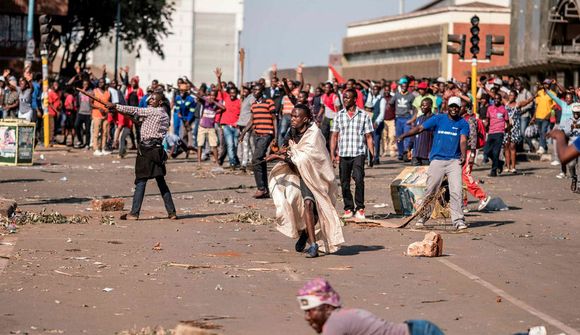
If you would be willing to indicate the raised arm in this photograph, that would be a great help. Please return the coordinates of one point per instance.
(300, 77)
(218, 74)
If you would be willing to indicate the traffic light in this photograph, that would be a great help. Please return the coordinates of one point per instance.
(458, 49)
(474, 36)
(45, 22)
(490, 41)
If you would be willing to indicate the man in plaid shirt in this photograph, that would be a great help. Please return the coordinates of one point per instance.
(153, 123)
(352, 131)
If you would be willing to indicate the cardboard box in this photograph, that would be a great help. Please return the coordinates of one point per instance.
(408, 188)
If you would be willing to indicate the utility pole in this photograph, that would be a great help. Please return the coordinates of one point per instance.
(30, 46)
(401, 7)
(117, 27)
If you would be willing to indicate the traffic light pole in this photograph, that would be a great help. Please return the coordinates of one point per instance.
(46, 125)
(474, 85)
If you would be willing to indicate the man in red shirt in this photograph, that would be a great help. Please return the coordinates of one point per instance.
(228, 122)
(497, 117)
(54, 107)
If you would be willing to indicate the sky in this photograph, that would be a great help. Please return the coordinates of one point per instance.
(290, 32)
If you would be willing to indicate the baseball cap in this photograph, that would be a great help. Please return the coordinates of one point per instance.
(454, 101)
(547, 81)
(403, 81)
(422, 85)
(575, 107)
(441, 80)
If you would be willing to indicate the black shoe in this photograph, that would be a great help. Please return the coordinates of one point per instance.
(301, 243)
(312, 252)
(400, 158)
(492, 173)
(574, 185)
(500, 169)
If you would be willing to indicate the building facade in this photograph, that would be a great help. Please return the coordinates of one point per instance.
(548, 41)
(205, 34)
(415, 43)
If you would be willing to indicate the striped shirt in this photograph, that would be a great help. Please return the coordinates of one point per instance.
(154, 120)
(263, 116)
(352, 131)
(287, 105)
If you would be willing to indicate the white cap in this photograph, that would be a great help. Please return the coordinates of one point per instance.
(454, 101)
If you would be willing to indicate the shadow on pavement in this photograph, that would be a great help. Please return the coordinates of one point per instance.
(351, 250)
(187, 216)
(477, 224)
(23, 180)
(72, 200)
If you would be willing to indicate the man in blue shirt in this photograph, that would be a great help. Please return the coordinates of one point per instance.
(183, 114)
(447, 156)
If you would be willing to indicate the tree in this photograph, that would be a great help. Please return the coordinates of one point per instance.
(91, 21)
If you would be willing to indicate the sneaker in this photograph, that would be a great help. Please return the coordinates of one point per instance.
(460, 226)
(97, 153)
(492, 173)
(483, 203)
(106, 152)
(561, 175)
(555, 163)
(312, 252)
(360, 214)
(301, 243)
(465, 210)
(541, 151)
(172, 216)
(420, 223)
(347, 214)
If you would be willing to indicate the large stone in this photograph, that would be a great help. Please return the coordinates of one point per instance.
(7, 207)
(431, 246)
(108, 205)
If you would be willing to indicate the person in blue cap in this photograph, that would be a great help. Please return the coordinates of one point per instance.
(404, 111)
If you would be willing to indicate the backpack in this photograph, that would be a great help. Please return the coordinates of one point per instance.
(481, 134)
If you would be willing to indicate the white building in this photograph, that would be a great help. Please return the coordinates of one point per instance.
(205, 34)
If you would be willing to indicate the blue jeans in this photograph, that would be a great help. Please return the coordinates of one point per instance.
(176, 124)
(544, 127)
(423, 327)
(524, 123)
(231, 139)
(283, 128)
(402, 127)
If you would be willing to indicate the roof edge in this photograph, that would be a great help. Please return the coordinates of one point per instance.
(420, 13)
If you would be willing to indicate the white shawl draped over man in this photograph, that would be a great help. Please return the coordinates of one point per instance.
(303, 187)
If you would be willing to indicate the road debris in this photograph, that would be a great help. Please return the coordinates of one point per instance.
(219, 288)
(108, 220)
(157, 246)
(108, 289)
(190, 266)
(252, 217)
(24, 218)
(431, 246)
(222, 201)
(108, 205)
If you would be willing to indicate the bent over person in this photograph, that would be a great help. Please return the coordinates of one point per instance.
(303, 187)
(153, 123)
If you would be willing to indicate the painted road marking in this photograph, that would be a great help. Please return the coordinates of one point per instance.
(554, 322)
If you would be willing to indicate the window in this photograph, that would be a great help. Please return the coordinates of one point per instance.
(419, 53)
(13, 31)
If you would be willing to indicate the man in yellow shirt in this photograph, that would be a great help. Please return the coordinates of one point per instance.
(544, 106)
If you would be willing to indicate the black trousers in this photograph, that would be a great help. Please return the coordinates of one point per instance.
(325, 129)
(352, 167)
(261, 144)
(493, 149)
(85, 120)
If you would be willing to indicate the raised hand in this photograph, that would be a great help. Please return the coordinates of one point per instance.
(218, 72)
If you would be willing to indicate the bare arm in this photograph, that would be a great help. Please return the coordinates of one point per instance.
(370, 143)
(414, 131)
(566, 153)
(333, 143)
(248, 127)
(463, 148)
(300, 77)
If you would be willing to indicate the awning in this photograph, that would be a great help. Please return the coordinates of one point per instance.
(540, 65)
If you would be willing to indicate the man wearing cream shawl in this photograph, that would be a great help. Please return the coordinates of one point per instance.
(303, 188)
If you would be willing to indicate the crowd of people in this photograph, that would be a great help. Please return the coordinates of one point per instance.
(244, 124)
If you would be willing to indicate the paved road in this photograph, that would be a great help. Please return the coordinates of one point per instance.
(510, 271)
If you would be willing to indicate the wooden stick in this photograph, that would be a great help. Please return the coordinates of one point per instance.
(104, 103)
